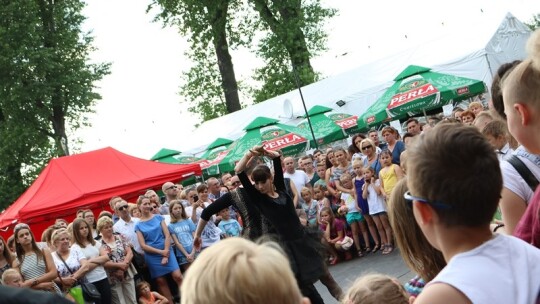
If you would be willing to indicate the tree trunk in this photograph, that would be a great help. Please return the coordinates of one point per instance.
(226, 68)
(56, 109)
(288, 29)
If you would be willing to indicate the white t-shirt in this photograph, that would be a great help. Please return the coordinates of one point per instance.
(350, 202)
(515, 183)
(299, 179)
(375, 201)
(128, 230)
(504, 269)
(211, 234)
(73, 261)
(92, 251)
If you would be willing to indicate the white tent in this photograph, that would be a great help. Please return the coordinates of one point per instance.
(476, 54)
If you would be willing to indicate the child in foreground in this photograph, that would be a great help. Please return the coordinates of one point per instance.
(375, 289)
(238, 271)
(12, 277)
(147, 296)
(455, 184)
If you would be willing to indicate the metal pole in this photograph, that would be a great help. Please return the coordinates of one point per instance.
(297, 79)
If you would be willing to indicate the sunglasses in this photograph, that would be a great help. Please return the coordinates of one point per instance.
(366, 147)
(171, 187)
(122, 207)
(236, 183)
(410, 198)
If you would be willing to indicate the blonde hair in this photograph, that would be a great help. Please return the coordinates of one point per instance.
(375, 288)
(262, 270)
(415, 249)
(104, 220)
(57, 233)
(306, 189)
(10, 273)
(522, 83)
(475, 104)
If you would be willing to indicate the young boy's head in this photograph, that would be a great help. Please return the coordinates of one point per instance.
(261, 270)
(374, 289)
(12, 277)
(321, 169)
(476, 107)
(521, 97)
(455, 173)
(225, 214)
(495, 132)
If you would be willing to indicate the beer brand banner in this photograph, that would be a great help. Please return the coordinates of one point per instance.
(418, 89)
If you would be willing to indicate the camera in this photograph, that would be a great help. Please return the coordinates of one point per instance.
(195, 198)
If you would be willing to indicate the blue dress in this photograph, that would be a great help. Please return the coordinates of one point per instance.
(153, 236)
(362, 203)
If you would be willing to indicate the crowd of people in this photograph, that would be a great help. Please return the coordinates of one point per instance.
(457, 195)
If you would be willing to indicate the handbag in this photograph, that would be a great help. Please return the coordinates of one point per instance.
(138, 260)
(347, 242)
(89, 290)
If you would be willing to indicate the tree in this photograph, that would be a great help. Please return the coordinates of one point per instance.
(46, 84)
(295, 36)
(534, 23)
(210, 85)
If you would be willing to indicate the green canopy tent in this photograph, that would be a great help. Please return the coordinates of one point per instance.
(417, 89)
(327, 126)
(214, 154)
(269, 133)
(165, 155)
(170, 156)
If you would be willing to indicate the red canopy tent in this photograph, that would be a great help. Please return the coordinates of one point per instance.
(87, 180)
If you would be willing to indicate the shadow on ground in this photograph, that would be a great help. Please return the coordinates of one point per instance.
(346, 272)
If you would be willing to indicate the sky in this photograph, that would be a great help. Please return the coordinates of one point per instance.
(141, 110)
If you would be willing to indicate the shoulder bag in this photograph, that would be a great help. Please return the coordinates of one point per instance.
(90, 292)
(524, 172)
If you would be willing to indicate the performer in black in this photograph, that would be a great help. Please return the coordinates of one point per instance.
(266, 208)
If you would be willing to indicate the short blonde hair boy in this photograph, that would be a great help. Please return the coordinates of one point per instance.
(12, 277)
(262, 271)
(376, 288)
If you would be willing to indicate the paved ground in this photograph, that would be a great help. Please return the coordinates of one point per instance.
(346, 272)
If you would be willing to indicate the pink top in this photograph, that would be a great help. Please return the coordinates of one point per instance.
(339, 225)
(528, 228)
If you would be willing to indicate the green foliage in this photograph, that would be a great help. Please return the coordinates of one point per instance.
(45, 85)
(534, 23)
(292, 33)
(295, 34)
(210, 85)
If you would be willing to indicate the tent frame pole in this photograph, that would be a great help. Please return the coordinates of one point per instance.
(297, 79)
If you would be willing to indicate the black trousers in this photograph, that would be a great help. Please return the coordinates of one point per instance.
(105, 290)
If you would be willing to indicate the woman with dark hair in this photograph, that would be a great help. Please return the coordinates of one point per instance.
(356, 140)
(5, 256)
(155, 240)
(83, 241)
(269, 196)
(35, 265)
(395, 146)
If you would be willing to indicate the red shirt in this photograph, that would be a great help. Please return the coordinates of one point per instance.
(528, 228)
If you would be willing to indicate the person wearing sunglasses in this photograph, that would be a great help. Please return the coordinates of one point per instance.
(368, 148)
(455, 184)
(126, 223)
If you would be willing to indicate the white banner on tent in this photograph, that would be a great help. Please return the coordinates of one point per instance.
(396, 125)
(447, 110)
